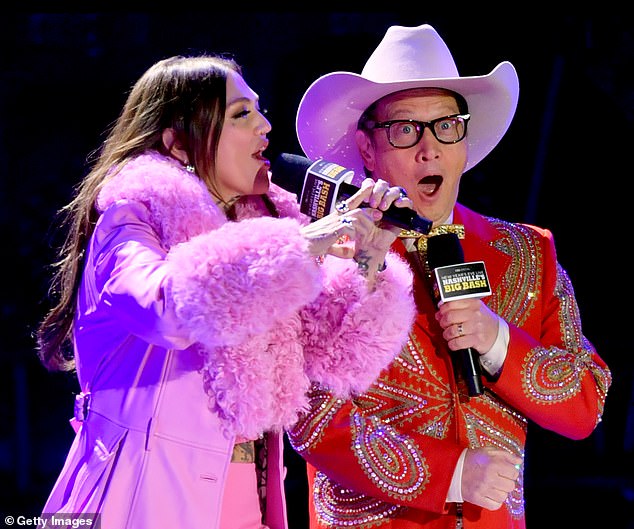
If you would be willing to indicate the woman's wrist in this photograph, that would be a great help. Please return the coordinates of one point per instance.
(369, 264)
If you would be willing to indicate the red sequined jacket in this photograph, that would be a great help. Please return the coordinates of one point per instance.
(386, 459)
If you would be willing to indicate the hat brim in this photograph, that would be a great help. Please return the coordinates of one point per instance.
(330, 109)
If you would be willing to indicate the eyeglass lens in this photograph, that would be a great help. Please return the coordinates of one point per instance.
(408, 133)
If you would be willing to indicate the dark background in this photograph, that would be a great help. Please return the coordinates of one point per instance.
(565, 164)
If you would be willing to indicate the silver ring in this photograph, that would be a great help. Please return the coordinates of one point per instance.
(346, 221)
(460, 330)
(362, 265)
(403, 194)
(342, 207)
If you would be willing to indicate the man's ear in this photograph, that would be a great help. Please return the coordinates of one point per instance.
(366, 149)
(173, 146)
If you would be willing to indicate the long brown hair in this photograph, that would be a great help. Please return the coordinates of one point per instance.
(184, 93)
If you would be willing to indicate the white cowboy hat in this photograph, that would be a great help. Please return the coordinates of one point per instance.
(407, 57)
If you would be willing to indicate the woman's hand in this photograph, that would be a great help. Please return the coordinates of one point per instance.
(355, 231)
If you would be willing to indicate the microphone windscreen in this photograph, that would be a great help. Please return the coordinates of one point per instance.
(320, 184)
(289, 172)
(444, 250)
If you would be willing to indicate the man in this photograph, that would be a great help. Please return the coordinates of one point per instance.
(422, 448)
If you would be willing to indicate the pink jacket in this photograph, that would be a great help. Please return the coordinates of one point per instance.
(192, 330)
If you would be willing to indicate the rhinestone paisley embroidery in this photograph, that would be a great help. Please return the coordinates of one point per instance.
(419, 398)
(553, 374)
(341, 507)
(515, 298)
(393, 462)
(388, 458)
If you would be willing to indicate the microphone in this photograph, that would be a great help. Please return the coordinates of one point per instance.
(319, 185)
(456, 279)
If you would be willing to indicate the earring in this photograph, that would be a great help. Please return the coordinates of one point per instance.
(190, 168)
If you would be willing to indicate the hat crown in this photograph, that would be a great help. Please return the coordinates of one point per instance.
(410, 53)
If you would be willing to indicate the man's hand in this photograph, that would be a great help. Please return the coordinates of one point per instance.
(489, 475)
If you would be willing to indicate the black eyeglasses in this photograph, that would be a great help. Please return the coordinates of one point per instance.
(405, 133)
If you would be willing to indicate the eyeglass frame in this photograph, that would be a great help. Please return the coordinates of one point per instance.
(420, 128)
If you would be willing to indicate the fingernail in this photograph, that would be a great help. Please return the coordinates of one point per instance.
(376, 214)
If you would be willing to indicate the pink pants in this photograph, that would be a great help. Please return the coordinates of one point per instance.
(241, 505)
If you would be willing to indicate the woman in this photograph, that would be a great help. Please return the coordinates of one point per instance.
(201, 305)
